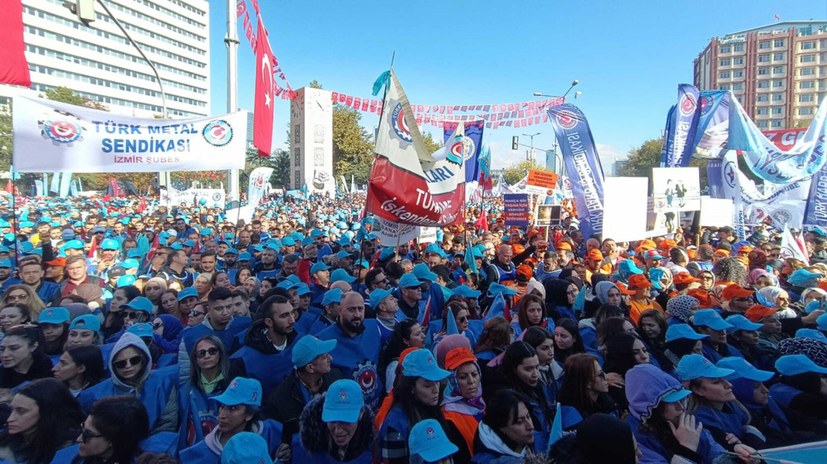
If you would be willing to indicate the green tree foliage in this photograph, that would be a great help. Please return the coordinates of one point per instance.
(352, 145)
(512, 174)
(279, 160)
(432, 144)
(642, 159)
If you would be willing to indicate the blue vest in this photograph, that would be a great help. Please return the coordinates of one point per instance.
(200, 453)
(190, 335)
(300, 455)
(269, 369)
(198, 415)
(356, 357)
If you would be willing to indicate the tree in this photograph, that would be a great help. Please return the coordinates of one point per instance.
(352, 145)
(432, 144)
(642, 159)
(67, 95)
(278, 160)
(512, 174)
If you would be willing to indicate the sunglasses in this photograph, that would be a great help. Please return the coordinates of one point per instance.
(133, 361)
(208, 352)
(196, 314)
(86, 435)
(16, 297)
(132, 314)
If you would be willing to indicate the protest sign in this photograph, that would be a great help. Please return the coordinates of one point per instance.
(541, 182)
(516, 209)
(624, 213)
(676, 189)
(717, 212)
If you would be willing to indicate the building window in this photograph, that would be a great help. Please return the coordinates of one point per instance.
(297, 133)
(762, 97)
(726, 49)
(725, 62)
(764, 44)
(805, 98)
(739, 47)
(763, 71)
(776, 123)
(777, 97)
(764, 58)
(806, 85)
(738, 60)
(777, 110)
(763, 124)
(778, 69)
(806, 58)
(738, 73)
(723, 75)
(297, 157)
(738, 86)
(808, 45)
(763, 84)
(778, 56)
(779, 42)
(807, 71)
(723, 87)
(761, 111)
(297, 178)
(778, 83)
(805, 111)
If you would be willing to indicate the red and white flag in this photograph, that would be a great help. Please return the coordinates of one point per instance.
(15, 69)
(265, 98)
(792, 247)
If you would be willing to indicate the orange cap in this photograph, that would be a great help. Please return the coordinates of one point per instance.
(638, 281)
(458, 357)
(595, 254)
(682, 278)
(58, 262)
(564, 246)
(758, 312)
(732, 291)
(702, 295)
(624, 289)
(723, 253)
(525, 270)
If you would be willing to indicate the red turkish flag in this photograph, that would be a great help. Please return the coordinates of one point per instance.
(15, 69)
(265, 98)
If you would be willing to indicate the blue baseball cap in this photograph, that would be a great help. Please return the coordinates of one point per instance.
(244, 256)
(821, 322)
(130, 263)
(302, 289)
(73, 245)
(141, 329)
(288, 241)
(231, 251)
(743, 370)
(811, 333)
(341, 275)
(694, 366)
(428, 441)
(86, 322)
(343, 403)
(110, 244)
(496, 288)
(189, 292)
(5, 263)
(241, 391)
(309, 348)
(134, 253)
(286, 284)
(98, 230)
(409, 280)
(803, 278)
(377, 296)
(293, 278)
(683, 332)
(125, 281)
(140, 303)
(54, 315)
(628, 267)
(320, 266)
(435, 249)
(794, 364)
(422, 272)
(710, 318)
(342, 254)
(244, 448)
(205, 232)
(465, 291)
(332, 296)
(740, 322)
(363, 263)
(421, 363)
(177, 246)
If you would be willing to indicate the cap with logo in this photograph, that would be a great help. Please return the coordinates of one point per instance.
(241, 391)
(309, 348)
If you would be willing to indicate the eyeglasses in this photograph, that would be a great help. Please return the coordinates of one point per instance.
(16, 297)
(132, 314)
(601, 375)
(124, 363)
(86, 435)
(208, 352)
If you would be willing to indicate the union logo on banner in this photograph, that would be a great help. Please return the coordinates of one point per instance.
(566, 119)
(61, 128)
(400, 127)
(687, 105)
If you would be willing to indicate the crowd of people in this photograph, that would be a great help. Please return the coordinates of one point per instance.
(134, 332)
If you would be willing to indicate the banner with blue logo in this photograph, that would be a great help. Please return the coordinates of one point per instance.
(472, 144)
(50, 136)
(582, 165)
(713, 124)
(769, 162)
(815, 214)
(684, 123)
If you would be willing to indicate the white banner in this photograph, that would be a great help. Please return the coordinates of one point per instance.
(427, 235)
(245, 213)
(717, 212)
(392, 233)
(624, 209)
(51, 136)
(259, 184)
(208, 198)
(676, 189)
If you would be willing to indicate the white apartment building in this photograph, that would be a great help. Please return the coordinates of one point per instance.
(99, 63)
(778, 72)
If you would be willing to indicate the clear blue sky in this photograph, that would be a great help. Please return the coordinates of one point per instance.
(629, 56)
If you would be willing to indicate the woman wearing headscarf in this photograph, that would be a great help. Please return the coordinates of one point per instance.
(778, 298)
(679, 309)
(560, 296)
(462, 404)
(761, 278)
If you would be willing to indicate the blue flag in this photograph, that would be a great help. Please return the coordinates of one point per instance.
(681, 140)
(556, 428)
(452, 328)
(668, 135)
(582, 165)
(497, 308)
(472, 144)
(815, 214)
(713, 124)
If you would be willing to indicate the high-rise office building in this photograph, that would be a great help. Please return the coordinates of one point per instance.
(99, 63)
(778, 72)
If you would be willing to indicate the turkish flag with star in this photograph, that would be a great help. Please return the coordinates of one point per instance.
(265, 100)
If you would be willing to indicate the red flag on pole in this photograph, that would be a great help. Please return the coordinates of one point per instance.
(265, 100)
(15, 69)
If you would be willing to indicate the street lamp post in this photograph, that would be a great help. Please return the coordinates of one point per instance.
(531, 153)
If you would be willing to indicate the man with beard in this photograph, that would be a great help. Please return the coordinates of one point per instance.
(358, 344)
(176, 269)
(266, 354)
(266, 269)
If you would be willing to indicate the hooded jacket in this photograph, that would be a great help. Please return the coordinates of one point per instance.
(312, 442)
(155, 389)
(259, 359)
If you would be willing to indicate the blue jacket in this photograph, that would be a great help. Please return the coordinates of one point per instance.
(198, 414)
(190, 335)
(654, 452)
(208, 450)
(49, 292)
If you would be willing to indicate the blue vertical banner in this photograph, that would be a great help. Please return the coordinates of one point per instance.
(713, 124)
(668, 136)
(582, 165)
(472, 144)
(815, 214)
(681, 140)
